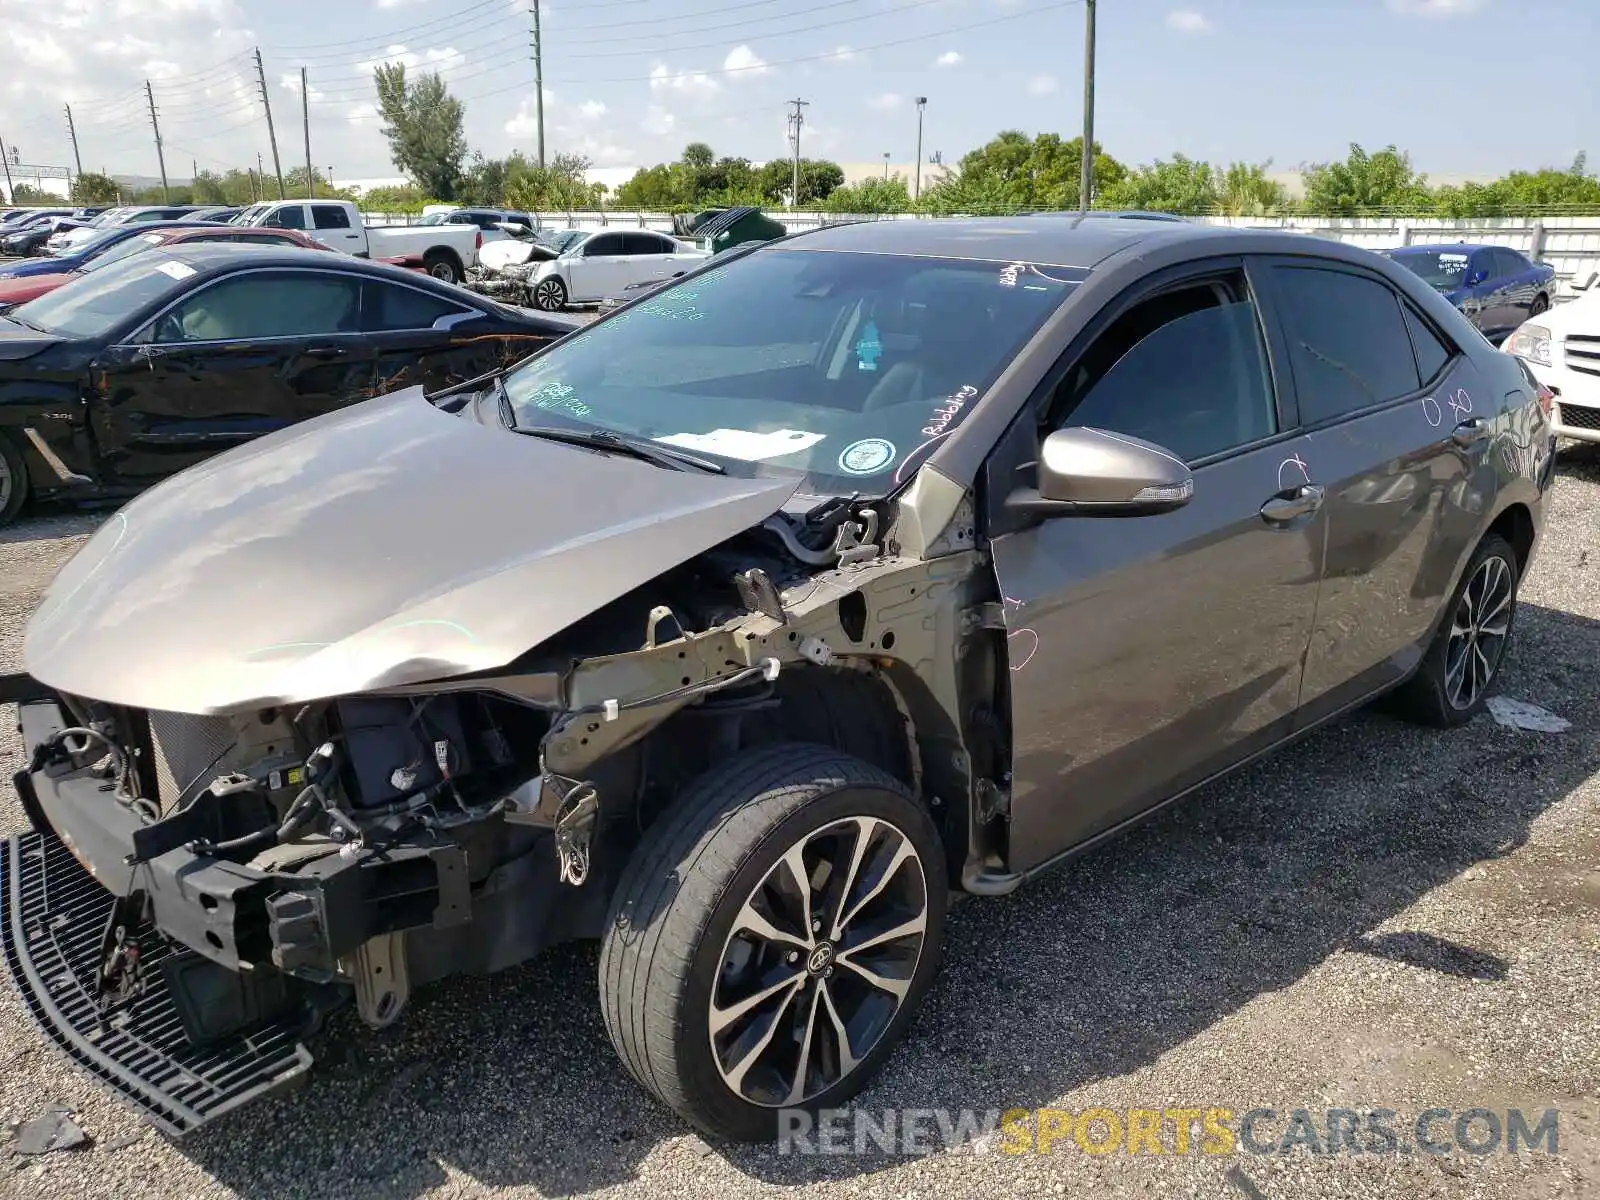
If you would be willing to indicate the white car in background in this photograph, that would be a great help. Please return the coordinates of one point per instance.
(597, 264)
(1562, 348)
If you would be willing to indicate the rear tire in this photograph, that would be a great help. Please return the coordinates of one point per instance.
(13, 480)
(709, 915)
(442, 265)
(1462, 664)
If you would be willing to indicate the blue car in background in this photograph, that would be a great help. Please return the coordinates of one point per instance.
(1498, 288)
(57, 264)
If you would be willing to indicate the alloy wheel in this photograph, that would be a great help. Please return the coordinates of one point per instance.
(820, 959)
(1478, 632)
(444, 271)
(7, 482)
(548, 296)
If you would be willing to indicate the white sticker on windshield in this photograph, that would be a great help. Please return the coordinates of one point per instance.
(152, 238)
(175, 269)
(745, 445)
(1452, 258)
(866, 457)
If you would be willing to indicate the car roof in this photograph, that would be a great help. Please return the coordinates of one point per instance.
(215, 257)
(1450, 246)
(1056, 239)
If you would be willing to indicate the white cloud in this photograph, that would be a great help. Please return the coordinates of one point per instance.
(689, 82)
(290, 82)
(365, 113)
(443, 59)
(844, 54)
(1043, 85)
(1187, 20)
(1437, 8)
(950, 58)
(526, 123)
(592, 110)
(886, 101)
(395, 3)
(658, 122)
(743, 61)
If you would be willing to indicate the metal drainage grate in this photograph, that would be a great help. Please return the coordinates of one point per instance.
(53, 915)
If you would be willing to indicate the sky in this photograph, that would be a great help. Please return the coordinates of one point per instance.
(1468, 87)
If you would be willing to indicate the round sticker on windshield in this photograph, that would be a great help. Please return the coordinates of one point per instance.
(866, 457)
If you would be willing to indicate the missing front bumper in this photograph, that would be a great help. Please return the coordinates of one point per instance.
(53, 916)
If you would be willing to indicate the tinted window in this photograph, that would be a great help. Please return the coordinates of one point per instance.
(836, 366)
(1347, 342)
(603, 243)
(1509, 262)
(390, 306)
(260, 305)
(290, 216)
(1445, 270)
(1196, 382)
(644, 243)
(328, 216)
(1432, 352)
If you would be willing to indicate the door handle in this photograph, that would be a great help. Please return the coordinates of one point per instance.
(1474, 429)
(327, 352)
(1291, 505)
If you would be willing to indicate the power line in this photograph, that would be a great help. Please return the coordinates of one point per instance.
(373, 39)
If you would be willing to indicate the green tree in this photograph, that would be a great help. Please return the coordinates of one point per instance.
(294, 186)
(1014, 172)
(698, 156)
(422, 123)
(91, 188)
(484, 181)
(1363, 182)
(394, 200)
(870, 196)
(26, 195)
(650, 187)
(561, 185)
(1176, 185)
(818, 179)
(1245, 190)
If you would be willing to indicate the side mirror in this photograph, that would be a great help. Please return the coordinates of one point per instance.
(1474, 278)
(1084, 472)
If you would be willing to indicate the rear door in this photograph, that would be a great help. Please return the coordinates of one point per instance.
(422, 338)
(241, 356)
(1147, 654)
(1395, 416)
(330, 225)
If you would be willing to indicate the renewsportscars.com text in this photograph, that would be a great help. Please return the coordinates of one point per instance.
(1210, 1130)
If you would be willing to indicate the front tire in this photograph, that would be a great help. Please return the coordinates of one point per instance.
(1539, 306)
(550, 295)
(1454, 679)
(443, 265)
(13, 480)
(771, 938)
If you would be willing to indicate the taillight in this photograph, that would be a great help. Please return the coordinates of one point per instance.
(478, 242)
(1547, 399)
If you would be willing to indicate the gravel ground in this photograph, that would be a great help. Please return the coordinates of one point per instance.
(1379, 917)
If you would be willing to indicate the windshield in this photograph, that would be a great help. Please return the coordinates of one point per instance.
(93, 305)
(124, 248)
(436, 218)
(251, 215)
(839, 366)
(1443, 269)
(560, 240)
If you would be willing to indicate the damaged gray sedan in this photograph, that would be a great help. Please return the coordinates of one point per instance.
(742, 630)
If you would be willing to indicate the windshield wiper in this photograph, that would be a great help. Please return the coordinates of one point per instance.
(616, 443)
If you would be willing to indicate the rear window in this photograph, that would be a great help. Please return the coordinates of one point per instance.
(328, 216)
(100, 303)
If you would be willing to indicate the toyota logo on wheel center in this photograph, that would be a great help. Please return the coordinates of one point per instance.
(820, 959)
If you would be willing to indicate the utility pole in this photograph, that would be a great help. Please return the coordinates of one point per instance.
(796, 120)
(886, 166)
(11, 191)
(258, 190)
(1086, 178)
(261, 78)
(305, 115)
(161, 157)
(72, 133)
(538, 76)
(922, 103)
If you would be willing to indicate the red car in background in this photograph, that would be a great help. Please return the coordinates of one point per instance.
(19, 291)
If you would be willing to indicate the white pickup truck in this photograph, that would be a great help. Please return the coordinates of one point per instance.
(445, 251)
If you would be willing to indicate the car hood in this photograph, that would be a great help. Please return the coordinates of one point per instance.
(18, 342)
(386, 544)
(512, 252)
(1574, 316)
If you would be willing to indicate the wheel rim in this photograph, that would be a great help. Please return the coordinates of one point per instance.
(1478, 633)
(6, 483)
(549, 295)
(444, 271)
(819, 962)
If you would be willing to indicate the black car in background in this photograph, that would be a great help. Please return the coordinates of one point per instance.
(131, 373)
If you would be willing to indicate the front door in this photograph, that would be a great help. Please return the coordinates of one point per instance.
(599, 269)
(420, 338)
(243, 356)
(1398, 424)
(1147, 654)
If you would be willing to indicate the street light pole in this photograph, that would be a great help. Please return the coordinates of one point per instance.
(1086, 178)
(922, 103)
(886, 166)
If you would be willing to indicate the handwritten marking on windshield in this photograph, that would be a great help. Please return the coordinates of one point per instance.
(559, 397)
(943, 415)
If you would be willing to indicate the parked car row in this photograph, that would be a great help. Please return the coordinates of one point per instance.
(739, 629)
